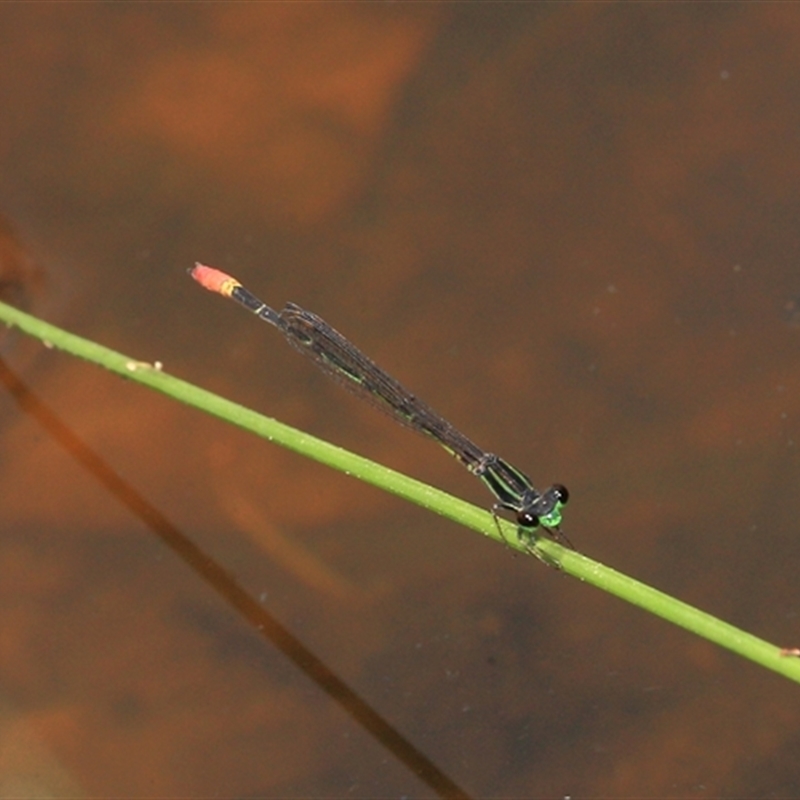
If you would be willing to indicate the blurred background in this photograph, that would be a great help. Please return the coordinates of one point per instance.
(571, 228)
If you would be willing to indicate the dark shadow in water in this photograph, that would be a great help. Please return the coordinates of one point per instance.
(225, 585)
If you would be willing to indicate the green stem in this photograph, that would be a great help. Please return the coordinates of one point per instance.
(572, 563)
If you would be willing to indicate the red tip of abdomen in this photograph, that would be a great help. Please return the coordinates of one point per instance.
(212, 279)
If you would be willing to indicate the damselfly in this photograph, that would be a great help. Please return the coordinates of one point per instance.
(342, 360)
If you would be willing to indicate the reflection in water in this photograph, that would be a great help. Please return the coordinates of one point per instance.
(226, 586)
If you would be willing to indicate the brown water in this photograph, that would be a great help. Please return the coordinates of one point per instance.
(570, 228)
